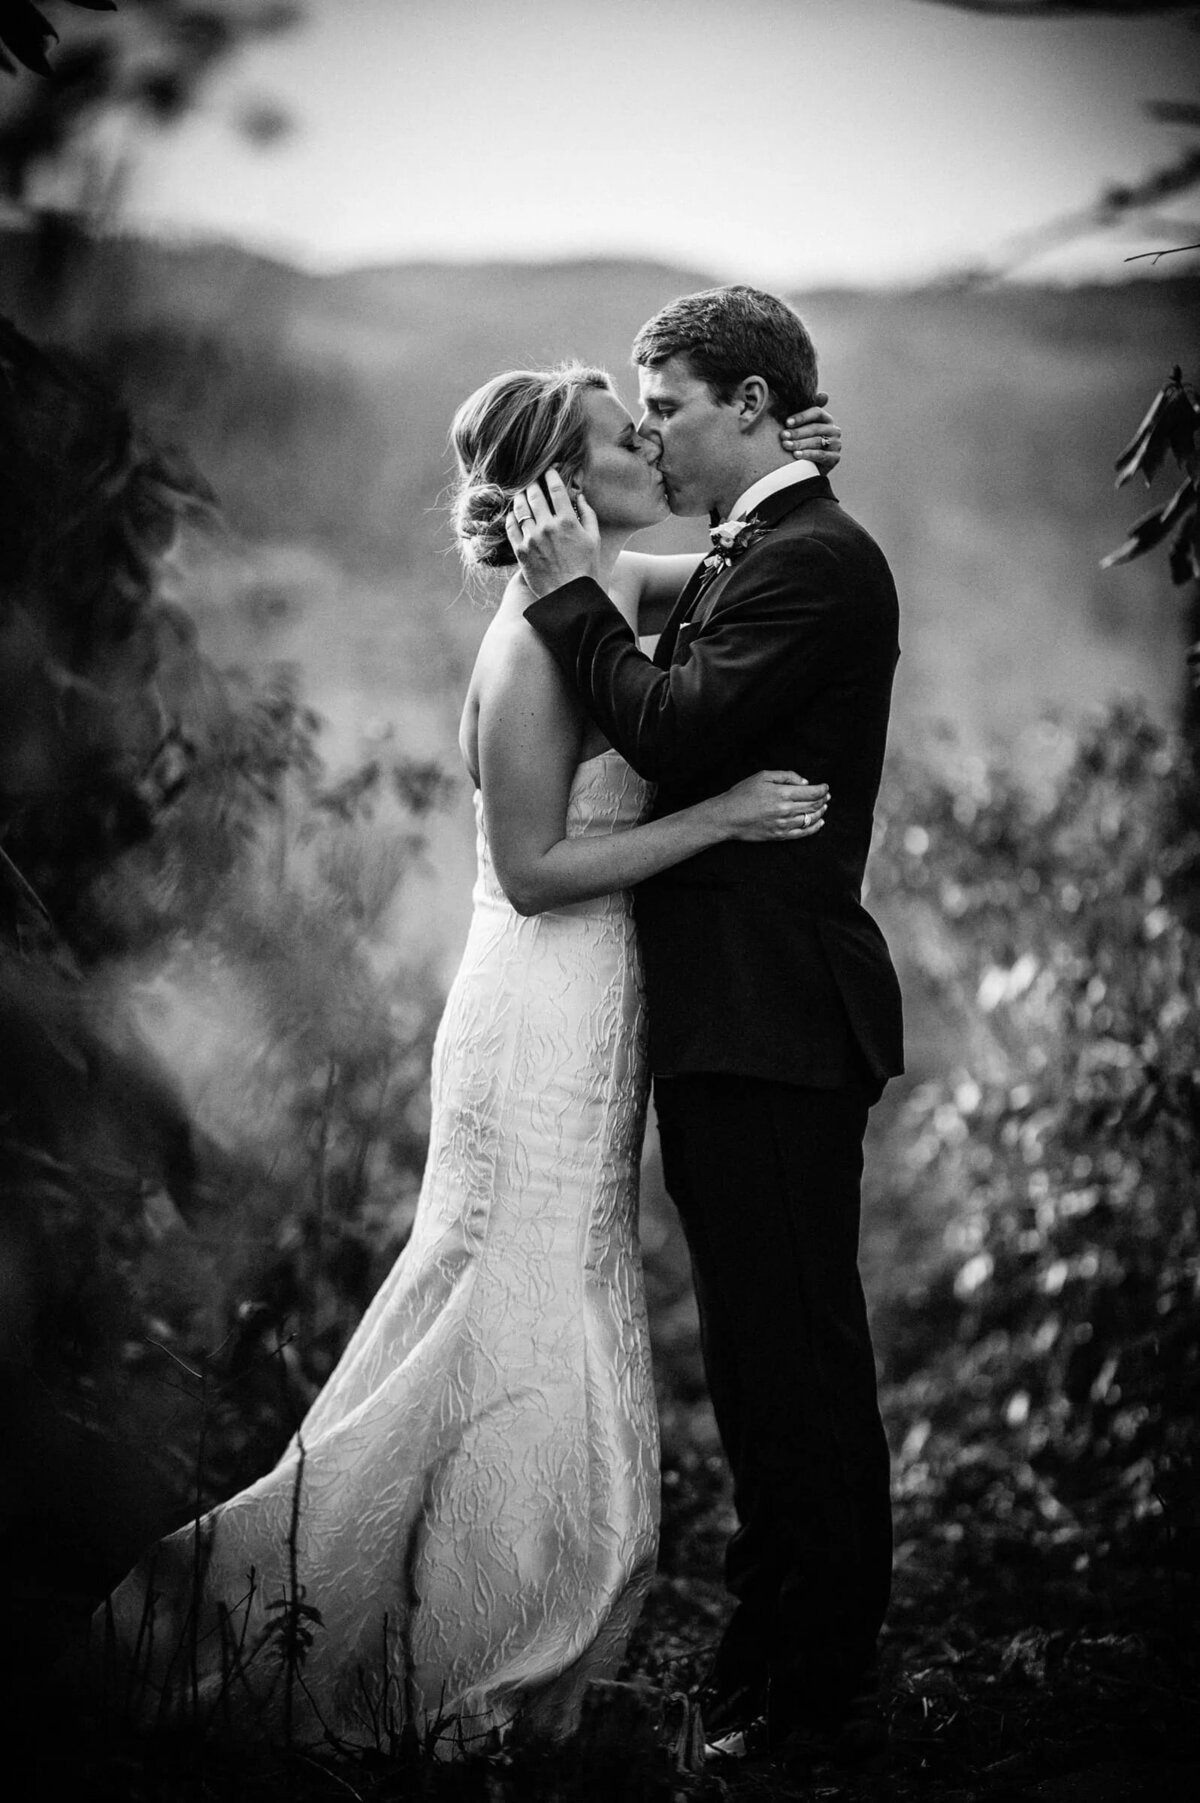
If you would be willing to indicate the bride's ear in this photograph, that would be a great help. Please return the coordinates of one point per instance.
(752, 399)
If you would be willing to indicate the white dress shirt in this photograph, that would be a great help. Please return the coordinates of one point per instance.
(798, 470)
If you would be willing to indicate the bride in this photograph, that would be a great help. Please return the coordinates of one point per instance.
(462, 1530)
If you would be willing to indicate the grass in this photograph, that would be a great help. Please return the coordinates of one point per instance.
(1003, 1677)
(1009, 1674)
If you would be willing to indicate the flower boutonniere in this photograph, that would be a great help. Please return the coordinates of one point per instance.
(731, 540)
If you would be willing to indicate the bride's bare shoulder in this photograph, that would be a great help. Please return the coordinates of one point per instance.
(510, 640)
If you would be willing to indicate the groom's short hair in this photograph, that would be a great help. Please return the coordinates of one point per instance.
(730, 333)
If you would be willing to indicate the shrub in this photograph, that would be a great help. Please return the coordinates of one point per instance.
(212, 1058)
(1048, 1364)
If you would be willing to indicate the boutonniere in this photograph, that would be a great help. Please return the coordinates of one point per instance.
(731, 540)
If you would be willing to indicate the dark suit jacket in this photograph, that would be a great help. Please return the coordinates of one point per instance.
(760, 959)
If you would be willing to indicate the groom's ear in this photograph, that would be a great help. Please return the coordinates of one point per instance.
(752, 402)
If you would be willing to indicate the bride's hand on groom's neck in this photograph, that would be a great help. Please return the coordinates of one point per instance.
(814, 435)
(555, 538)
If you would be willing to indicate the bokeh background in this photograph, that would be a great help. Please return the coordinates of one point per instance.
(289, 239)
(343, 224)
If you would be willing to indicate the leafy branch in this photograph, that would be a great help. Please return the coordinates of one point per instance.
(141, 72)
(1112, 207)
(1059, 9)
(25, 33)
(1170, 426)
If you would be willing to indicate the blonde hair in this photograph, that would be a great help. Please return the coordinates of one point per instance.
(506, 435)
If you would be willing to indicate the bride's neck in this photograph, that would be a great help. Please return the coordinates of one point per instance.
(611, 545)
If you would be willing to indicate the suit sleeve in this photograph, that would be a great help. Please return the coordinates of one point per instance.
(765, 644)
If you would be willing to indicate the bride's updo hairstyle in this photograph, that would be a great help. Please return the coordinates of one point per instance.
(506, 435)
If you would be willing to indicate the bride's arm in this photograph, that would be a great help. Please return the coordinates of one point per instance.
(653, 583)
(529, 737)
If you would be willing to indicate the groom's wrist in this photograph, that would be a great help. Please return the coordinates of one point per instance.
(580, 591)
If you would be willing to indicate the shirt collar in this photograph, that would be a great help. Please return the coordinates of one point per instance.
(799, 470)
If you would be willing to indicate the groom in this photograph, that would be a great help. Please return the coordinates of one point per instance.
(774, 1008)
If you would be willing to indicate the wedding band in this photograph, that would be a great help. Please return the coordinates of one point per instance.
(824, 444)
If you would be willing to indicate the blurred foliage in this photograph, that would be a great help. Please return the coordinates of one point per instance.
(1030, 1232)
(1119, 203)
(25, 32)
(254, 926)
(88, 649)
(213, 1059)
(254, 409)
(71, 125)
(1049, 1363)
(1035, 1304)
(1056, 9)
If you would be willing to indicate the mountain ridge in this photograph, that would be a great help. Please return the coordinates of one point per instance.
(980, 428)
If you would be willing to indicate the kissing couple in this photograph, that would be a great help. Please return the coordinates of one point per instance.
(675, 763)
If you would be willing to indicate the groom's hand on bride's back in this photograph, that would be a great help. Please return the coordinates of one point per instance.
(555, 535)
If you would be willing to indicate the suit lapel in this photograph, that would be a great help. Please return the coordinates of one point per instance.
(702, 584)
(665, 648)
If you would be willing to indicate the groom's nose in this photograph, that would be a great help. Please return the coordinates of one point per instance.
(649, 438)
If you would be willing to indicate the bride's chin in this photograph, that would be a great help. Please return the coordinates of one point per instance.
(656, 510)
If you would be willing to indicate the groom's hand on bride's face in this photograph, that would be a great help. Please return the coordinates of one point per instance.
(555, 539)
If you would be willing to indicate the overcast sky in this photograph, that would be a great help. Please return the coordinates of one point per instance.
(788, 142)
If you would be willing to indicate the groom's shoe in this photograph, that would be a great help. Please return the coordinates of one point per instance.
(849, 1730)
(739, 1745)
(728, 1707)
(734, 1692)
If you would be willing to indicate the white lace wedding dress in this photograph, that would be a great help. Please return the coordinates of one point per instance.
(477, 1483)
